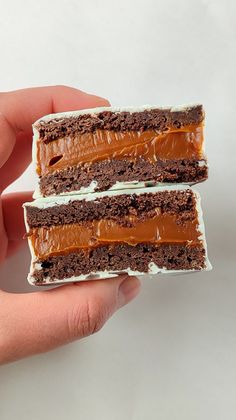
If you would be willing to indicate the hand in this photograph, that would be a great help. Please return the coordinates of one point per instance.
(37, 322)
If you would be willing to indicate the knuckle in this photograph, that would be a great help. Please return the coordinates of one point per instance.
(86, 319)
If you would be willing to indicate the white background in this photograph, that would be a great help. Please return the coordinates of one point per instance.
(172, 353)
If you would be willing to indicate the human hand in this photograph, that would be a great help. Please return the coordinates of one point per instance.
(37, 322)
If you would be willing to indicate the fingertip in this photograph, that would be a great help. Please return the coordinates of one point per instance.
(128, 290)
(93, 101)
(101, 102)
(67, 98)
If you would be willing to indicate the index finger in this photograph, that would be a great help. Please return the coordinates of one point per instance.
(22, 108)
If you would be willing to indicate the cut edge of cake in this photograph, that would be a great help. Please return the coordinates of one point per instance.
(153, 268)
(93, 186)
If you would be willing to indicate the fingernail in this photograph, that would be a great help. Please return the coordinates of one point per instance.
(104, 102)
(128, 289)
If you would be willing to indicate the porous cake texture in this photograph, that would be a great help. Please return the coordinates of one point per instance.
(110, 148)
(99, 235)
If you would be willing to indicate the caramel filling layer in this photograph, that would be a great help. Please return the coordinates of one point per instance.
(183, 143)
(63, 239)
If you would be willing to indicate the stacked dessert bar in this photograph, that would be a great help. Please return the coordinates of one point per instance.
(113, 193)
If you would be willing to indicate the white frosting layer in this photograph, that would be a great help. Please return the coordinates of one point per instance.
(92, 188)
(153, 270)
(117, 186)
(131, 109)
(83, 190)
(52, 201)
(201, 228)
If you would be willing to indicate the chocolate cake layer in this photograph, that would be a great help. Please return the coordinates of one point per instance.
(114, 207)
(157, 118)
(146, 220)
(106, 146)
(120, 258)
(107, 173)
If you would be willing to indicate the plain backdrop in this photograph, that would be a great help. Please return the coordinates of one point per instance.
(171, 354)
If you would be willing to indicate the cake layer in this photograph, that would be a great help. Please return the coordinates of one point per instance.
(109, 261)
(141, 118)
(110, 175)
(160, 226)
(117, 206)
(104, 146)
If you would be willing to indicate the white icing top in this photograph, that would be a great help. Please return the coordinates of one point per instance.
(97, 110)
(46, 202)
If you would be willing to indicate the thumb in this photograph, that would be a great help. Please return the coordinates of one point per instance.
(38, 322)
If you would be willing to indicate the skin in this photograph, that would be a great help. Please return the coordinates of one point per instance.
(38, 322)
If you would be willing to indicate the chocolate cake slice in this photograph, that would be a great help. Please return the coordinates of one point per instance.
(138, 231)
(110, 148)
